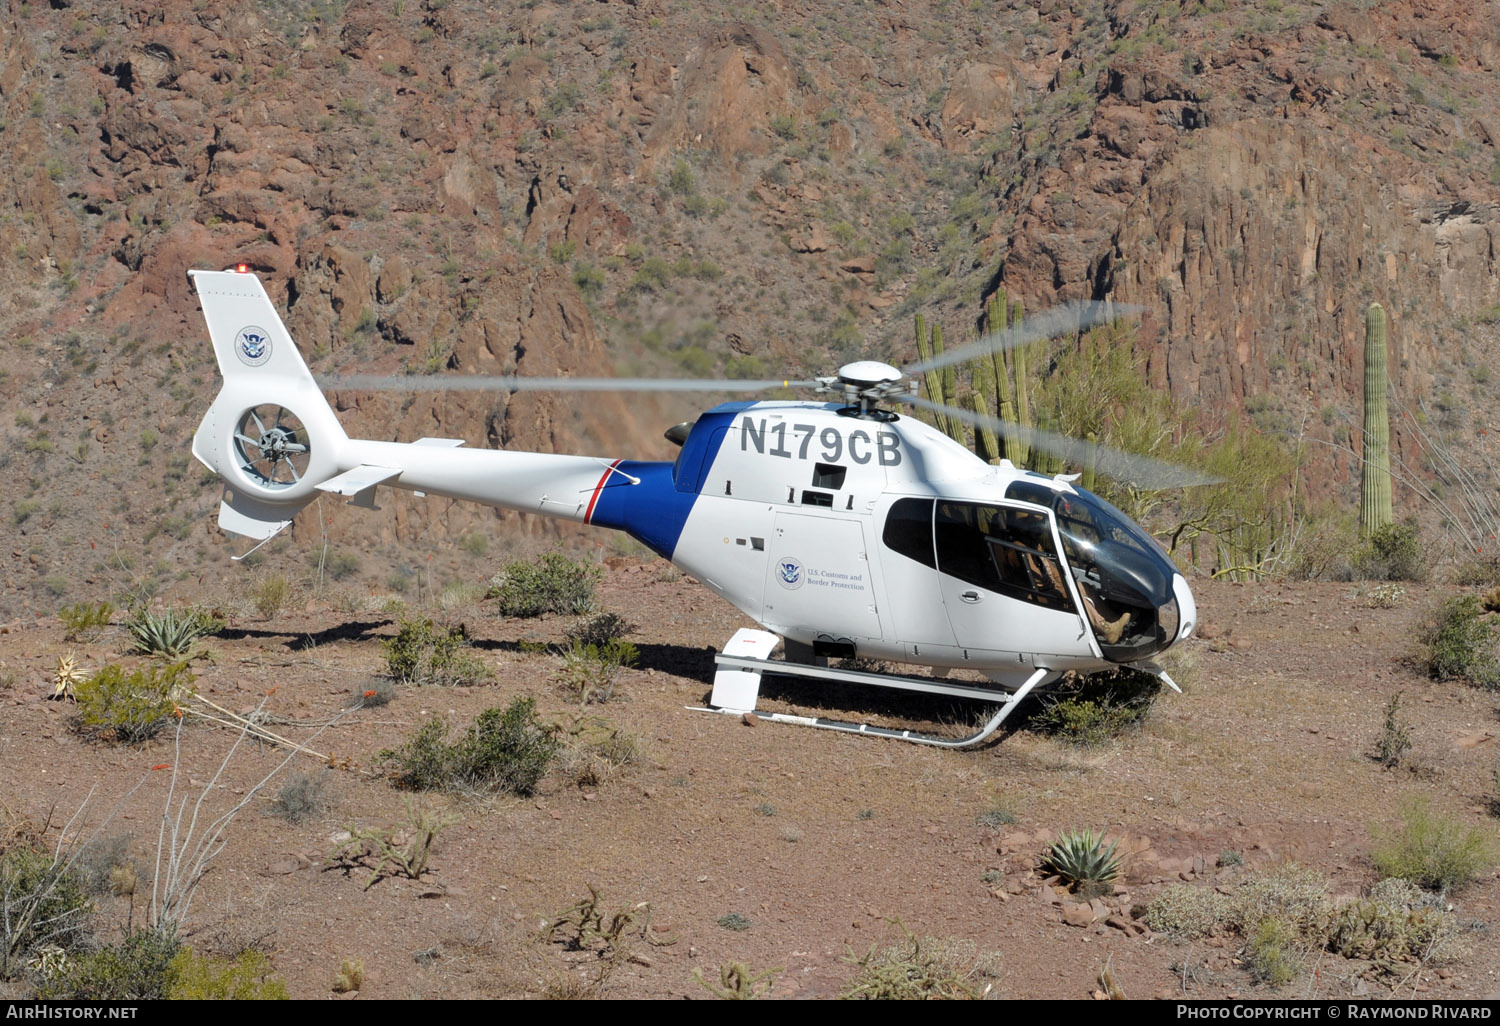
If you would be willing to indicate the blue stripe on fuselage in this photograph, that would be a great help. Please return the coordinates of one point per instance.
(654, 512)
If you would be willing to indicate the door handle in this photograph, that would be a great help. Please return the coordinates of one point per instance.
(970, 596)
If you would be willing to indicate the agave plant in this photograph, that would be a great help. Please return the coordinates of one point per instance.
(67, 678)
(170, 633)
(1084, 861)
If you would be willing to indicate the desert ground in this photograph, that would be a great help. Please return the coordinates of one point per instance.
(767, 845)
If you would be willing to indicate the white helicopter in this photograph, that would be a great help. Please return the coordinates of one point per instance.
(844, 528)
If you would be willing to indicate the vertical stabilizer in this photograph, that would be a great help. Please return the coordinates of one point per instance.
(270, 434)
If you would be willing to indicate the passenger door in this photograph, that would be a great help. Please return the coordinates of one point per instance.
(1002, 582)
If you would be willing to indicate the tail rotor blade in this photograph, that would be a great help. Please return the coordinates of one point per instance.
(1116, 463)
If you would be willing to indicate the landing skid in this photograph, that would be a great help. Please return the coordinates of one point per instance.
(745, 659)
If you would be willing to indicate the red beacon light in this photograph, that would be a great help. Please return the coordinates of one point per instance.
(242, 268)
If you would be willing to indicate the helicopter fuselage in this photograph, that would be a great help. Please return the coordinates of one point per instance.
(879, 536)
(847, 529)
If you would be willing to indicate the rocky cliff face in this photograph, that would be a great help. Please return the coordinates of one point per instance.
(1257, 191)
(662, 189)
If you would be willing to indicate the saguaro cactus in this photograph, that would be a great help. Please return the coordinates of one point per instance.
(1375, 504)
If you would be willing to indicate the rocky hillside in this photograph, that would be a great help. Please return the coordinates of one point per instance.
(684, 189)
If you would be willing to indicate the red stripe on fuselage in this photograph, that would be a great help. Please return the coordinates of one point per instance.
(589, 516)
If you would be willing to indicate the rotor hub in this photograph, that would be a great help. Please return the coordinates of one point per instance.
(868, 374)
(865, 383)
(278, 444)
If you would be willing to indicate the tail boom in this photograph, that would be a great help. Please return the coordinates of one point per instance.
(272, 437)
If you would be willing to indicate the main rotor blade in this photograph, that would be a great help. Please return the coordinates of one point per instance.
(482, 383)
(1076, 316)
(1109, 461)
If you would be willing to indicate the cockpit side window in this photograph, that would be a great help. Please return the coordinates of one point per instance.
(1001, 549)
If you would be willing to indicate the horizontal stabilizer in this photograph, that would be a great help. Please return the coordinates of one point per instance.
(360, 483)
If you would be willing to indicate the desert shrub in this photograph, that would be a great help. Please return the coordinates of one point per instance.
(1183, 910)
(170, 633)
(1272, 953)
(1479, 571)
(403, 850)
(1393, 553)
(1084, 861)
(338, 565)
(84, 621)
(302, 796)
(43, 902)
(1433, 850)
(130, 707)
(138, 968)
(1293, 894)
(596, 750)
(552, 583)
(924, 969)
(997, 815)
(600, 629)
(1287, 912)
(1458, 642)
(1397, 922)
(1394, 740)
(1095, 709)
(270, 594)
(247, 977)
(499, 751)
(106, 865)
(589, 670)
(380, 692)
(738, 982)
(1326, 548)
(424, 653)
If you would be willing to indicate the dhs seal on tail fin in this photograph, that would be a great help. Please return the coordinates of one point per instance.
(253, 346)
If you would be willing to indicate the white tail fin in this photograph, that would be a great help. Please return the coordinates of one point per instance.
(270, 434)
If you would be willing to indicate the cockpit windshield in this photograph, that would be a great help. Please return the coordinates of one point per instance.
(1123, 575)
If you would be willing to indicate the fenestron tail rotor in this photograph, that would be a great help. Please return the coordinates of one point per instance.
(272, 446)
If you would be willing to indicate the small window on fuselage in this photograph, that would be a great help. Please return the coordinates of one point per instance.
(828, 475)
(908, 530)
